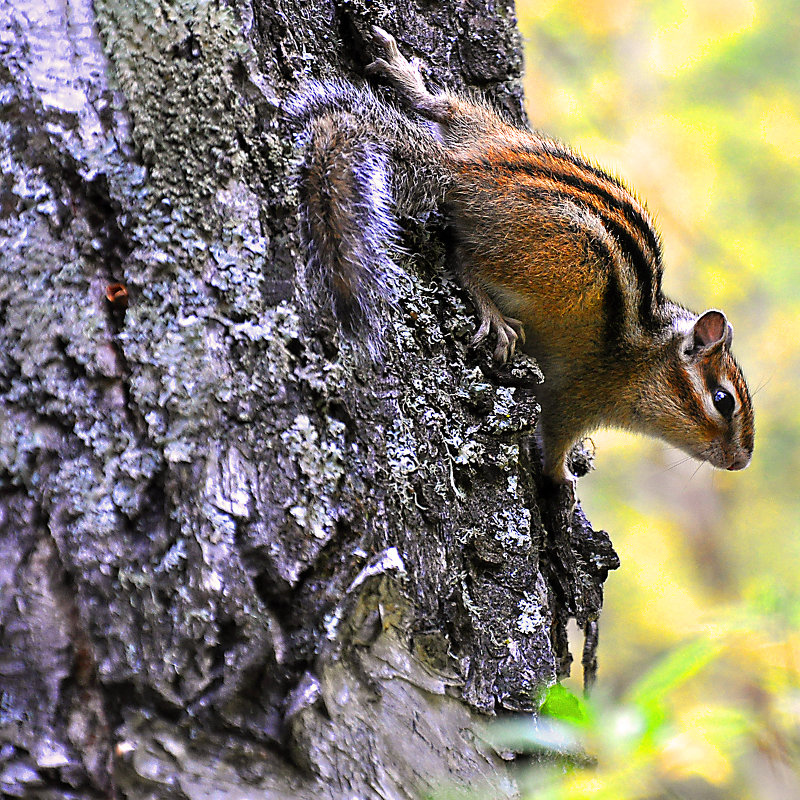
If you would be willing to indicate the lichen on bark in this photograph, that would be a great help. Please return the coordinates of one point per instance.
(236, 558)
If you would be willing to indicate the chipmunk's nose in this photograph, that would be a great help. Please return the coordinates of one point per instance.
(740, 461)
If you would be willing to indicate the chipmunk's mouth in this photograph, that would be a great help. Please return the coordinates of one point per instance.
(719, 459)
(740, 461)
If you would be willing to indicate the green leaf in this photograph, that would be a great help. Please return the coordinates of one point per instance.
(562, 704)
(673, 670)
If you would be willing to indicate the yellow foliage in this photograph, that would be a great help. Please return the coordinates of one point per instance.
(697, 105)
(780, 124)
(690, 753)
(702, 26)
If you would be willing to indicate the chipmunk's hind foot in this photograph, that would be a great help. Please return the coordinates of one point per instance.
(406, 78)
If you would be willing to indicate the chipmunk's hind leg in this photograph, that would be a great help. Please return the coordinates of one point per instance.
(406, 78)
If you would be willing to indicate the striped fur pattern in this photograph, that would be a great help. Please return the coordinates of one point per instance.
(569, 251)
(559, 256)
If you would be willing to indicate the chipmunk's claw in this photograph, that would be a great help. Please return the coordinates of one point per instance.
(507, 330)
(385, 40)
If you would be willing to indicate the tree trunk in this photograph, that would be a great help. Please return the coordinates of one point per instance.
(236, 562)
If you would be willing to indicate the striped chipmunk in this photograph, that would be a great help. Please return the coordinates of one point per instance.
(561, 261)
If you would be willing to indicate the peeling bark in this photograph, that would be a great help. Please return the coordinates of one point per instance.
(236, 561)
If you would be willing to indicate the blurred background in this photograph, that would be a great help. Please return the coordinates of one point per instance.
(696, 105)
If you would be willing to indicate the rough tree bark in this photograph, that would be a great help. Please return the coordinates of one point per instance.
(234, 561)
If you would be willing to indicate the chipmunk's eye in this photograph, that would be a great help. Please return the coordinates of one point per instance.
(723, 402)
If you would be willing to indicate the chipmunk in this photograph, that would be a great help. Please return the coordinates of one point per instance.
(559, 258)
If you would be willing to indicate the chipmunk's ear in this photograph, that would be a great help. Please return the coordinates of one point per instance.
(711, 332)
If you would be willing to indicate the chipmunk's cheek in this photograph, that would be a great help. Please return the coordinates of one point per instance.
(716, 452)
(718, 459)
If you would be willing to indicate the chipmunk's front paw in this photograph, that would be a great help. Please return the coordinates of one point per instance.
(507, 330)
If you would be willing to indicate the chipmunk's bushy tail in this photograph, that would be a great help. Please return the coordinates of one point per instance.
(348, 220)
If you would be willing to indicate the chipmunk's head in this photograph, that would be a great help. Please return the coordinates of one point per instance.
(705, 407)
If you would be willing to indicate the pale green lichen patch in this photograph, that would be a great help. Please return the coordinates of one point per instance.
(319, 459)
(174, 65)
(197, 244)
(514, 527)
(238, 258)
(531, 620)
(502, 420)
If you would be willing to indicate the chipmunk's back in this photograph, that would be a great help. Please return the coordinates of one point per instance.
(535, 216)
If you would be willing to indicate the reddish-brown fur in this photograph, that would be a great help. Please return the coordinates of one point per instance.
(563, 260)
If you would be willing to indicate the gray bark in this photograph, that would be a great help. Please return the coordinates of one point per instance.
(234, 560)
